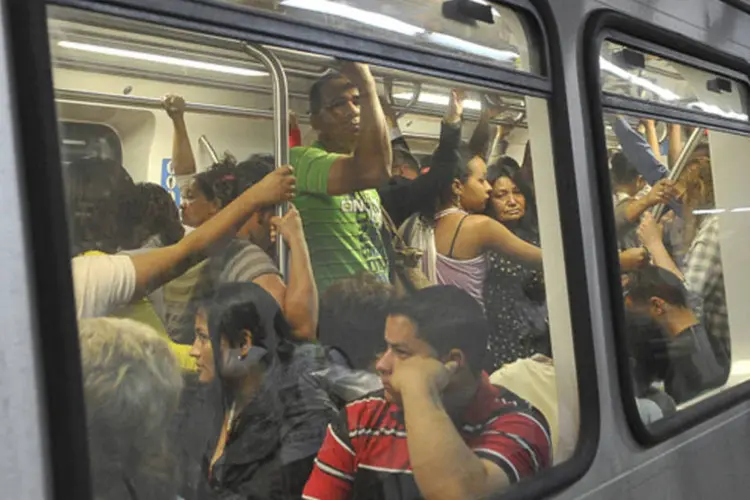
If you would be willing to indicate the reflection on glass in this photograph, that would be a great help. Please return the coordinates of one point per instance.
(636, 74)
(504, 42)
(670, 196)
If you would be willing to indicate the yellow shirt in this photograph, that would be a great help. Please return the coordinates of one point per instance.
(142, 311)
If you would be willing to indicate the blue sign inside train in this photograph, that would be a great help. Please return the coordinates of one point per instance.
(169, 181)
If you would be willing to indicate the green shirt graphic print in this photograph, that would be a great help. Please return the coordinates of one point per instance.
(343, 232)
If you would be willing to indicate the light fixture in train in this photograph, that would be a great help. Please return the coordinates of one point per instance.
(439, 100)
(161, 59)
(389, 23)
(710, 211)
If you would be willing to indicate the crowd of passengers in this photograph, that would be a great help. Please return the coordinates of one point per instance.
(407, 352)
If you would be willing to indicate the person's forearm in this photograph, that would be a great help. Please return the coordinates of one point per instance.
(480, 138)
(662, 258)
(373, 151)
(634, 209)
(443, 465)
(225, 223)
(639, 153)
(183, 161)
(675, 144)
(301, 299)
(653, 140)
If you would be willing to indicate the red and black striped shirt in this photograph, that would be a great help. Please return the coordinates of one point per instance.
(365, 454)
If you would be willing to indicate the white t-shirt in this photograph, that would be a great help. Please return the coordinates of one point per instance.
(102, 283)
(533, 379)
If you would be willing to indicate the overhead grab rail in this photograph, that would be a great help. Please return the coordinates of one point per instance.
(280, 127)
(679, 166)
(411, 103)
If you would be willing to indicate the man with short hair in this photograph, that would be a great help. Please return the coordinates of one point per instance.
(439, 429)
(692, 363)
(338, 175)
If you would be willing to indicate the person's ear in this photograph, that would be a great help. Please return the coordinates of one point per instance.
(657, 306)
(247, 342)
(457, 187)
(456, 356)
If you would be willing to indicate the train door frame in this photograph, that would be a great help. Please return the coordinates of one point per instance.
(48, 227)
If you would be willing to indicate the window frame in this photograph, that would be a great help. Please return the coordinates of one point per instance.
(616, 26)
(39, 145)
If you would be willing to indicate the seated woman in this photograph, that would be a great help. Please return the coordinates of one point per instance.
(272, 414)
(513, 291)
(129, 376)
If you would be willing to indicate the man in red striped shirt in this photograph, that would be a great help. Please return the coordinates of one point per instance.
(439, 429)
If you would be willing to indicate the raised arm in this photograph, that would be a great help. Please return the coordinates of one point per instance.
(639, 152)
(653, 140)
(675, 143)
(300, 302)
(183, 161)
(482, 140)
(370, 165)
(156, 267)
(651, 234)
(662, 192)
(408, 198)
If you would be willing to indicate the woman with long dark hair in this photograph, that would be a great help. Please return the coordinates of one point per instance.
(513, 291)
(451, 227)
(271, 416)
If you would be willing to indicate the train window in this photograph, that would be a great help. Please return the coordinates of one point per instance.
(681, 213)
(639, 75)
(266, 337)
(476, 29)
(86, 140)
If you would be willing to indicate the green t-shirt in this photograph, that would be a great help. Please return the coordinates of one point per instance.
(343, 232)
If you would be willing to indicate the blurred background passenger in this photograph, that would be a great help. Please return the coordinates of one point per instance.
(132, 385)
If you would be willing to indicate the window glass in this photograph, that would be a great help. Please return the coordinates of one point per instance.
(85, 140)
(639, 75)
(488, 33)
(236, 365)
(681, 219)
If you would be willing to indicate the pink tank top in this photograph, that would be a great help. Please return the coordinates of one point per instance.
(469, 275)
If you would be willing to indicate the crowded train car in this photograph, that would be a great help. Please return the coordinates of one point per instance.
(399, 250)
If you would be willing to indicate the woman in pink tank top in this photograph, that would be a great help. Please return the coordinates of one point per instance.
(462, 235)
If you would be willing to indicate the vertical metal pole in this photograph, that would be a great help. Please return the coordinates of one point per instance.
(280, 129)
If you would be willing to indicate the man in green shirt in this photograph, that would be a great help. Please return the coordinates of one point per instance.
(338, 175)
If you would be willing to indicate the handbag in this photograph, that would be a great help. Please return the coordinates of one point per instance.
(407, 274)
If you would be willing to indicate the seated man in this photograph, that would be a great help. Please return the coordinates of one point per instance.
(691, 363)
(439, 429)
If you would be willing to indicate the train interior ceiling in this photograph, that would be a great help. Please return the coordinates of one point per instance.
(115, 76)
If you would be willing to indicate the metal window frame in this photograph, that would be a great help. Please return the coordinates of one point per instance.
(48, 226)
(608, 24)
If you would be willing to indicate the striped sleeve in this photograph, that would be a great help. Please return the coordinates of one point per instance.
(335, 466)
(312, 166)
(518, 442)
